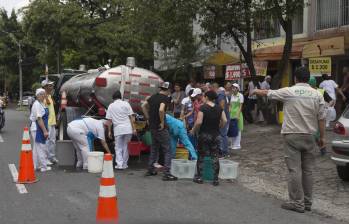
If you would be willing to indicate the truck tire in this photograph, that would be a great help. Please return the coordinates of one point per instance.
(343, 172)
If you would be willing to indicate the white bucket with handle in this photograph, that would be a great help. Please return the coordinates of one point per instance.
(95, 162)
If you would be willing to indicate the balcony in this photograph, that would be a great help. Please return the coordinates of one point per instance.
(332, 14)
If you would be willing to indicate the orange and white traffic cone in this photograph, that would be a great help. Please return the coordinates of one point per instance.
(107, 209)
(26, 165)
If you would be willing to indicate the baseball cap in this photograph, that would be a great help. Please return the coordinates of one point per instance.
(46, 82)
(236, 86)
(197, 91)
(165, 85)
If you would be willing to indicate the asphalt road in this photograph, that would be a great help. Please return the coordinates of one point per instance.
(66, 196)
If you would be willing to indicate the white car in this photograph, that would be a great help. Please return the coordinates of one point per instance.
(25, 101)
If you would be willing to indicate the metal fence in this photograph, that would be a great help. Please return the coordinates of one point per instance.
(331, 13)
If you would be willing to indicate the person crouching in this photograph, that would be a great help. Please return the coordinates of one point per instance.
(82, 132)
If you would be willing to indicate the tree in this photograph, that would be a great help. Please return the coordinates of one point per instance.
(284, 11)
(230, 19)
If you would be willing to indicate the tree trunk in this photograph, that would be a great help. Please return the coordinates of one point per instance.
(282, 66)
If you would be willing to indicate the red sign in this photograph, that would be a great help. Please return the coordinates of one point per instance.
(237, 71)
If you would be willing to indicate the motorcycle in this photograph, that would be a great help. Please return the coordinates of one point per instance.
(2, 118)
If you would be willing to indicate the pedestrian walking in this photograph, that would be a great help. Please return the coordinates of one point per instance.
(83, 132)
(39, 131)
(154, 110)
(49, 102)
(304, 115)
(121, 115)
(177, 98)
(236, 117)
(211, 117)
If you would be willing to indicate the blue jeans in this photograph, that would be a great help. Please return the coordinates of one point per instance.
(223, 147)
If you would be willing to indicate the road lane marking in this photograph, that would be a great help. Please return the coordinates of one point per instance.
(20, 187)
(1, 139)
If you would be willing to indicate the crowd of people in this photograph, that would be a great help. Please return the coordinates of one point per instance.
(207, 119)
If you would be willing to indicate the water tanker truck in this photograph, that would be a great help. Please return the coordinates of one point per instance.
(89, 94)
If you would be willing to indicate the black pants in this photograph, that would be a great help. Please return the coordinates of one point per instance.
(160, 143)
(208, 146)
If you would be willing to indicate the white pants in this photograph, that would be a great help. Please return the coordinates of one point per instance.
(80, 143)
(121, 150)
(40, 152)
(51, 142)
(235, 141)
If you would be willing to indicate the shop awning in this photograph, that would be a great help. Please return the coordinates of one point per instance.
(324, 47)
(274, 53)
(222, 58)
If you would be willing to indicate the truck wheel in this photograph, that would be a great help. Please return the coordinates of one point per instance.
(343, 172)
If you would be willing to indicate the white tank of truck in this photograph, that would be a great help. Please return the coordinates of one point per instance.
(95, 88)
(89, 94)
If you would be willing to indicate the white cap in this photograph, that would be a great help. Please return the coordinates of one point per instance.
(236, 86)
(39, 91)
(197, 91)
(165, 85)
(46, 82)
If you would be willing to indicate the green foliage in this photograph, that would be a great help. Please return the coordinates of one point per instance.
(36, 85)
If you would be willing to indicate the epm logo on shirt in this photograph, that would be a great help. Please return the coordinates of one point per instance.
(304, 92)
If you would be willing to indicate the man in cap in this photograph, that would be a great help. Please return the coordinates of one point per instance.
(154, 110)
(51, 140)
(304, 115)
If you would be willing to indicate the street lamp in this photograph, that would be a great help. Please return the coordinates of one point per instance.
(19, 66)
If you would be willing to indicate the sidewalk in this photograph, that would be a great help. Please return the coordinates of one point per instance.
(262, 169)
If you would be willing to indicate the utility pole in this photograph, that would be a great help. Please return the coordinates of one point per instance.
(20, 74)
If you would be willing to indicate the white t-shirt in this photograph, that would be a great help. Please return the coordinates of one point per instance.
(251, 87)
(119, 112)
(89, 124)
(38, 110)
(330, 87)
(235, 98)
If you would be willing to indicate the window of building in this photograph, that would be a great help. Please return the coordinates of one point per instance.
(297, 23)
(345, 13)
(332, 13)
(266, 28)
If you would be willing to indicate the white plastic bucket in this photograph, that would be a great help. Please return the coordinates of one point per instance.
(95, 162)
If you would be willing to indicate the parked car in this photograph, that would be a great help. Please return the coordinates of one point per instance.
(25, 98)
(340, 146)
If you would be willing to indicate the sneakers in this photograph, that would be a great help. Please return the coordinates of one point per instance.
(54, 160)
(151, 173)
(292, 207)
(169, 177)
(45, 169)
(198, 180)
(157, 165)
(49, 163)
